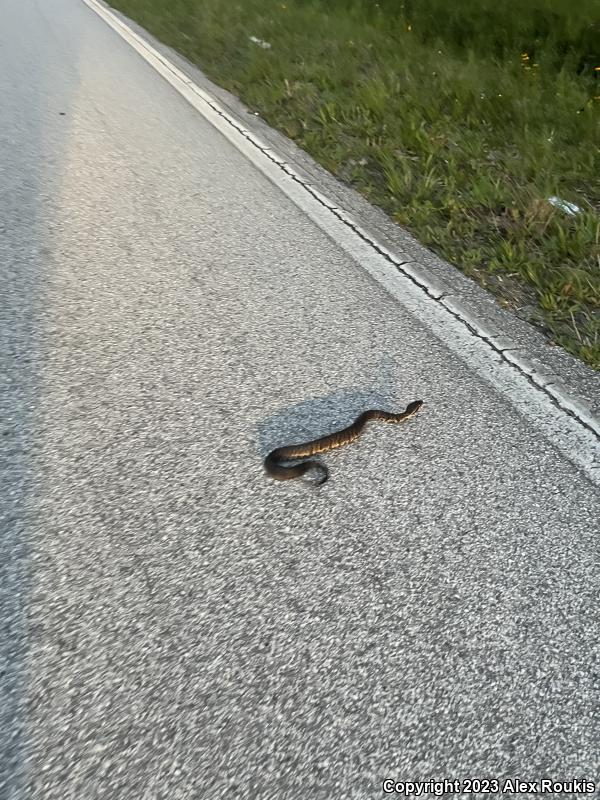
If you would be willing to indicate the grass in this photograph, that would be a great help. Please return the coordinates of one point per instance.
(459, 120)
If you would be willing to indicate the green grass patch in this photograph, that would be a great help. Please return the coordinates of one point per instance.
(459, 120)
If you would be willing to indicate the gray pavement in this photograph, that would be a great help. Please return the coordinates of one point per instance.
(173, 624)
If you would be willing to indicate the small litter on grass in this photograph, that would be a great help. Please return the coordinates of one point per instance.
(569, 208)
(260, 42)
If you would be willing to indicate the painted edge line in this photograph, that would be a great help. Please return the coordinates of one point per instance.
(572, 406)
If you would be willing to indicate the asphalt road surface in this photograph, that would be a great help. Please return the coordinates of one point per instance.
(175, 624)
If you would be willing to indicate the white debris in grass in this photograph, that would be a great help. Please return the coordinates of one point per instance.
(564, 205)
(260, 42)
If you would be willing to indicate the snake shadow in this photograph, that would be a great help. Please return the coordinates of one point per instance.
(319, 416)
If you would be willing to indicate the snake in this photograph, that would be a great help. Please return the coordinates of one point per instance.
(283, 471)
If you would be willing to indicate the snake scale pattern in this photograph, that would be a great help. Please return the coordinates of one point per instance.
(284, 471)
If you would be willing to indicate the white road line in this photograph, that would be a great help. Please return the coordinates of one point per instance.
(569, 426)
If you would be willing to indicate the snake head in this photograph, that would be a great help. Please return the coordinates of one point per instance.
(413, 407)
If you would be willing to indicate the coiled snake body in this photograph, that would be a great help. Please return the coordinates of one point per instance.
(283, 472)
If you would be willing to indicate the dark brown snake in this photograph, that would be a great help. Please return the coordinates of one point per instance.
(283, 472)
